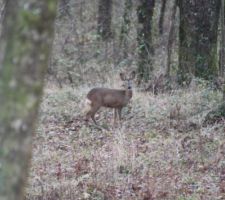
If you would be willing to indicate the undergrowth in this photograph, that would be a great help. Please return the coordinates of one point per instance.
(157, 153)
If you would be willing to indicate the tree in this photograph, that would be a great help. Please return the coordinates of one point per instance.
(125, 29)
(221, 72)
(198, 39)
(104, 19)
(2, 9)
(222, 48)
(3, 5)
(64, 8)
(25, 45)
(170, 38)
(161, 18)
(144, 37)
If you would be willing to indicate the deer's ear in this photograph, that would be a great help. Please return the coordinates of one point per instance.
(122, 76)
(132, 75)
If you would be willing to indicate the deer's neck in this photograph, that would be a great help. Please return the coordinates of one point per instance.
(128, 93)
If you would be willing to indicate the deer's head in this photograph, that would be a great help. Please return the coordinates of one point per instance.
(127, 79)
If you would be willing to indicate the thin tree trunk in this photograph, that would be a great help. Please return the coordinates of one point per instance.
(170, 38)
(125, 29)
(144, 37)
(2, 11)
(25, 45)
(223, 40)
(162, 14)
(222, 46)
(104, 19)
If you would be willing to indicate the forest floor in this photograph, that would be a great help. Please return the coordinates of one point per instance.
(161, 150)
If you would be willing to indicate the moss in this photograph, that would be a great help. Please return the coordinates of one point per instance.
(52, 6)
(213, 61)
(29, 18)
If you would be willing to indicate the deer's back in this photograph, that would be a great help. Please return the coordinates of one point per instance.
(109, 97)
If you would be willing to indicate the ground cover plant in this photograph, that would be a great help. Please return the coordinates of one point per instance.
(157, 153)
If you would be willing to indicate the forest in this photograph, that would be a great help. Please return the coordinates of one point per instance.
(112, 99)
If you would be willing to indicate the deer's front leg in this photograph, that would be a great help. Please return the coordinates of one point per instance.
(119, 113)
(115, 116)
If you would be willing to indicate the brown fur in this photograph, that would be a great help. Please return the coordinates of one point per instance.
(111, 98)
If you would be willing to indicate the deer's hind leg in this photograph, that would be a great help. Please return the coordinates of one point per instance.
(115, 116)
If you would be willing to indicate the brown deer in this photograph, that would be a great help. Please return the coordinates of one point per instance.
(111, 98)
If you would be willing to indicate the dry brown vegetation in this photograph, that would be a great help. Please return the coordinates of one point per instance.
(161, 151)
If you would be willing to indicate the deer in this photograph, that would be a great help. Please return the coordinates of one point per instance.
(109, 98)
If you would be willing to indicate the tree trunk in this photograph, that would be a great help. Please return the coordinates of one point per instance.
(104, 19)
(144, 37)
(222, 40)
(125, 29)
(64, 8)
(161, 18)
(222, 47)
(198, 39)
(2, 11)
(25, 44)
(170, 38)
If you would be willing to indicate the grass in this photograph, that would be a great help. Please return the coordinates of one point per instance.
(151, 156)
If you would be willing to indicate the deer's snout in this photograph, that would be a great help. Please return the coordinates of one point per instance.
(129, 84)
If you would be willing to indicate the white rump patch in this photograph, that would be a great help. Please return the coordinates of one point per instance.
(87, 105)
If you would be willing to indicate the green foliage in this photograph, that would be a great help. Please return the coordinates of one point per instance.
(198, 40)
(31, 17)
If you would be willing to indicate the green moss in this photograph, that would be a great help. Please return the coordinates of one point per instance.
(29, 17)
(214, 61)
(52, 6)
